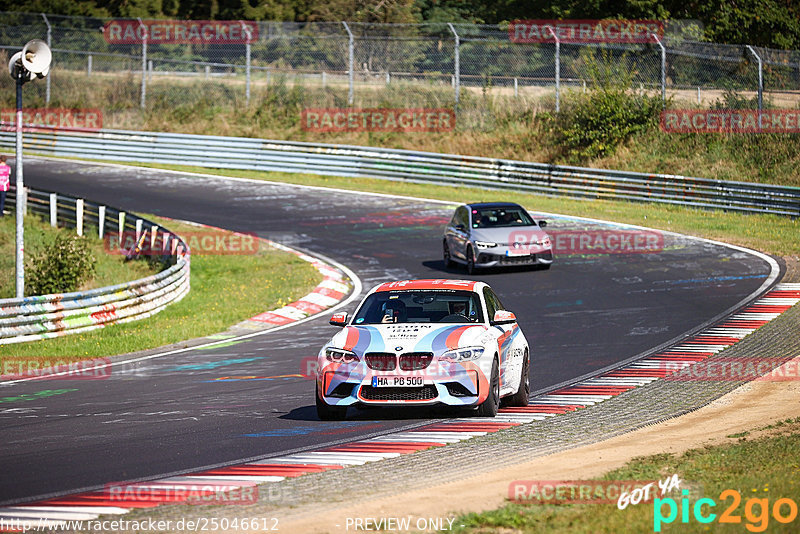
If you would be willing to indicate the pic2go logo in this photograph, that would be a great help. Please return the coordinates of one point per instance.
(756, 511)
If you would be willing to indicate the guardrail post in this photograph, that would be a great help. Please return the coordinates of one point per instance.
(153, 235)
(557, 66)
(79, 216)
(139, 224)
(760, 85)
(50, 46)
(351, 53)
(456, 63)
(53, 210)
(121, 223)
(101, 221)
(143, 101)
(248, 36)
(663, 69)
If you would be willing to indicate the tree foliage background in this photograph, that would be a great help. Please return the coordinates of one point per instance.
(770, 23)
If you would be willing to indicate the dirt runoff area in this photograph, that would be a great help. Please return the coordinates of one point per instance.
(752, 406)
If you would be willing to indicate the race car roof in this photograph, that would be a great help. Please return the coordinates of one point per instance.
(402, 285)
(481, 205)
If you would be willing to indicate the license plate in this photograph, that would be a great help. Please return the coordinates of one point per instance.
(517, 253)
(397, 381)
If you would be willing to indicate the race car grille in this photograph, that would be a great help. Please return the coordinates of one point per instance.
(342, 390)
(381, 361)
(399, 394)
(414, 361)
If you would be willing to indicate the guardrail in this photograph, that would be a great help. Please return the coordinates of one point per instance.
(47, 316)
(426, 167)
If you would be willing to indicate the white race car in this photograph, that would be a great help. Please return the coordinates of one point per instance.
(425, 342)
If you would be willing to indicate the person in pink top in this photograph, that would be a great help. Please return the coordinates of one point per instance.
(5, 172)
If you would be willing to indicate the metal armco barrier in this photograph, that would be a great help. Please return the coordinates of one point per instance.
(48, 316)
(394, 164)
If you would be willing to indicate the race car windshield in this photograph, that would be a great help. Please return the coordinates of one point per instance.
(420, 307)
(500, 217)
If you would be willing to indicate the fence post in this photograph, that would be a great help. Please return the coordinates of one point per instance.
(50, 45)
(53, 210)
(388, 77)
(516, 88)
(456, 62)
(79, 216)
(101, 221)
(324, 79)
(351, 60)
(558, 67)
(760, 85)
(248, 36)
(144, 63)
(663, 70)
(89, 66)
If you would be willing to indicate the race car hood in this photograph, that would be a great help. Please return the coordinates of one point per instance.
(505, 236)
(408, 337)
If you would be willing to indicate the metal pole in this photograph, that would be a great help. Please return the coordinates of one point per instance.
(89, 66)
(663, 70)
(249, 36)
(144, 64)
(558, 68)
(760, 86)
(20, 193)
(457, 62)
(49, 45)
(350, 68)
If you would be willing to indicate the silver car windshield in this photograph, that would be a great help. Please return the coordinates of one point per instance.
(500, 217)
(420, 306)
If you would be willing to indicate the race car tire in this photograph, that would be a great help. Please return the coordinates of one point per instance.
(471, 269)
(489, 407)
(327, 412)
(520, 398)
(448, 260)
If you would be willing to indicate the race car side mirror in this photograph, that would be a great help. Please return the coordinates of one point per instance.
(503, 317)
(339, 319)
(542, 224)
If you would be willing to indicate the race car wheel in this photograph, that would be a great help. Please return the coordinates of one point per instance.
(448, 260)
(470, 261)
(490, 406)
(327, 412)
(520, 398)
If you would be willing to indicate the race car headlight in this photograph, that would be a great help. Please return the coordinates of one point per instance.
(463, 355)
(340, 355)
(485, 244)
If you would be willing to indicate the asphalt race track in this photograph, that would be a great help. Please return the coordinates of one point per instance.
(170, 414)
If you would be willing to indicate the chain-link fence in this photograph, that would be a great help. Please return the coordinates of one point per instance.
(467, 67)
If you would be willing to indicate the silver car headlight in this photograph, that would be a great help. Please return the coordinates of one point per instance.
(463, 355)
(333, 354)
(485, 244)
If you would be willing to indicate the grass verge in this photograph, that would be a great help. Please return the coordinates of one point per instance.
(765, 468)
(110, 269)
(226, 289)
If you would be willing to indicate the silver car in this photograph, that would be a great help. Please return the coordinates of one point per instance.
(494, 234)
